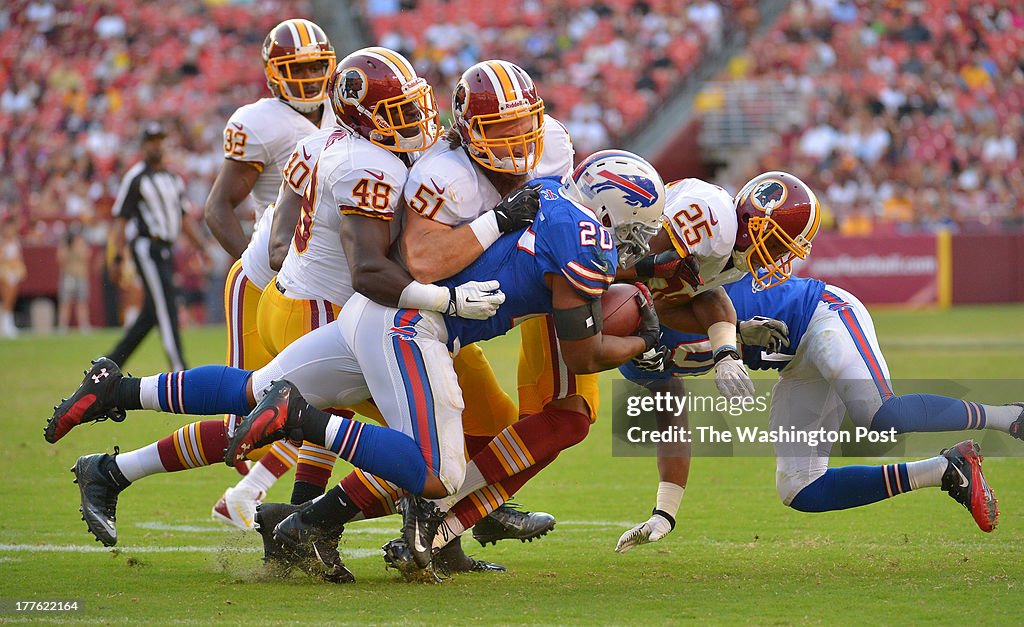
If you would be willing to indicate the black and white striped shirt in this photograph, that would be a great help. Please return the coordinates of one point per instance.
(153, 202)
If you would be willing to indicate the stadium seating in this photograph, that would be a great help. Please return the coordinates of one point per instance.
(914, 118)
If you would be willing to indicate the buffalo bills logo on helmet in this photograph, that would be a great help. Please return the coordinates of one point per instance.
(352, 86)
(768, 194)
(638, 191)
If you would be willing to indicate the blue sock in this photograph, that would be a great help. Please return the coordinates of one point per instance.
(928, 412)
(852, 486)
(206, 390)
(383, 452)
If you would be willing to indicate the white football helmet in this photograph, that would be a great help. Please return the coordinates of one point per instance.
(626, 193)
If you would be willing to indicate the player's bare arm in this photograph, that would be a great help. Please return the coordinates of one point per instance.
(596, 352)
(434, 251)
(287, 209)
(366, 241)
(233, 183)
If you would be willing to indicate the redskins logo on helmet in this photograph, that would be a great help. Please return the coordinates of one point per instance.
(298, 59)
(500, 117)
(778, 217)
(376, 93)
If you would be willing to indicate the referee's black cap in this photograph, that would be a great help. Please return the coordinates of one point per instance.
(153, 130)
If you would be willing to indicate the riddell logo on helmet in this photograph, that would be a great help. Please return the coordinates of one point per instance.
(768, 194)
(513, 104)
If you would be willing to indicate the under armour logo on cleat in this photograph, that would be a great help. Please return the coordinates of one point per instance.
(102, 374)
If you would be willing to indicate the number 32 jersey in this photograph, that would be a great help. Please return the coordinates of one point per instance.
(701, 222)
(566, 239)
(348, 176)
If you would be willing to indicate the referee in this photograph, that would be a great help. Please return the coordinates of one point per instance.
(149, 216)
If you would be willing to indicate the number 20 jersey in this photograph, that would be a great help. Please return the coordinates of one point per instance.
(349, 176)
(566, 239)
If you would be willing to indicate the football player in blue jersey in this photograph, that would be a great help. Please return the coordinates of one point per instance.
(402, 357)
(829, 350)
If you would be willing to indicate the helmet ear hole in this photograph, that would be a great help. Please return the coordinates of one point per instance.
(606, 219)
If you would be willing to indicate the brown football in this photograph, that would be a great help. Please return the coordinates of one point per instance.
(621, 310)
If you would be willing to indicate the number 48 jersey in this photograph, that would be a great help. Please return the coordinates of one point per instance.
(566, 239)
(701, 222)
(348, 176)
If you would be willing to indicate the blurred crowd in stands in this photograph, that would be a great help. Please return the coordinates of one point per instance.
(601, 66)
(915, 110)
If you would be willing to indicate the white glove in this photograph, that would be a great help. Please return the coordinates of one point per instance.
(770, 333)
(656, 528)
(476, 300)
(654, 360)
(732, 378)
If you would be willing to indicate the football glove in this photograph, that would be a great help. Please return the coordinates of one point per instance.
(668, 264)
(518, 209)
(650, 328)
(475, 300)
(656, 528)
(770, 333)
(654, 360)
(731, 376)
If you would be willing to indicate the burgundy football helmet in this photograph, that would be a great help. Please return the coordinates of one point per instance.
(376, 93)
(778, 215)
(289, 46)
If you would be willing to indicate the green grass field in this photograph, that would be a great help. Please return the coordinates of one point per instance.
(736, 556)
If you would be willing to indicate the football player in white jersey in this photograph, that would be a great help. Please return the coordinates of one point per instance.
(259, 137)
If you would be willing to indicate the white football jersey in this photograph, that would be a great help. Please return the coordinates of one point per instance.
(264, 134)
(701, 221)
(445, 186)
(350, 175)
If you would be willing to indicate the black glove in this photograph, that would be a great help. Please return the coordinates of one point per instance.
(650, 328)
(654, 360)
(517, 210)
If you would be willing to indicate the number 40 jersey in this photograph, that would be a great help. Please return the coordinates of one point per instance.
(566, 239)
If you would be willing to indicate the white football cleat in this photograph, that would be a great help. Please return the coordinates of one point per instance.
(238, 507)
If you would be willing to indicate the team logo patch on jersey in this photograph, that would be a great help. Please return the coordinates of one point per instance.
(352, 86)
(638, 191)
(768, 194)
(406, 333)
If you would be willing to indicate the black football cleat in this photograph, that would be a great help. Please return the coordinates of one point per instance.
(420, 520)
(398, 556)
(315, 547)
(275, 555)
(91, 402)
(508, 522)
(451, 559)
(1017, 426)
(98, 485)
(965, 482)
(277, 416)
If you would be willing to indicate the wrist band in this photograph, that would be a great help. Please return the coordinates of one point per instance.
(486, 229)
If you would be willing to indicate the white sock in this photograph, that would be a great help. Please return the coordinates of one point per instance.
(140, 463)
(473, 482)
(259, 479)
(149, 394)
(1000, 417)
(450, 529)
(927, 473)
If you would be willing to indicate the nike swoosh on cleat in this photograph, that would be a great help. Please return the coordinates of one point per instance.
(963, 477)
(416, 541)
(241, 514)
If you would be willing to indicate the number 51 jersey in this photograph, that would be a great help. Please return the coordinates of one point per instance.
(566, 239)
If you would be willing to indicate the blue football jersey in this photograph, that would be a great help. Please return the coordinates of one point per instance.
(566, 239)
(793, 302)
